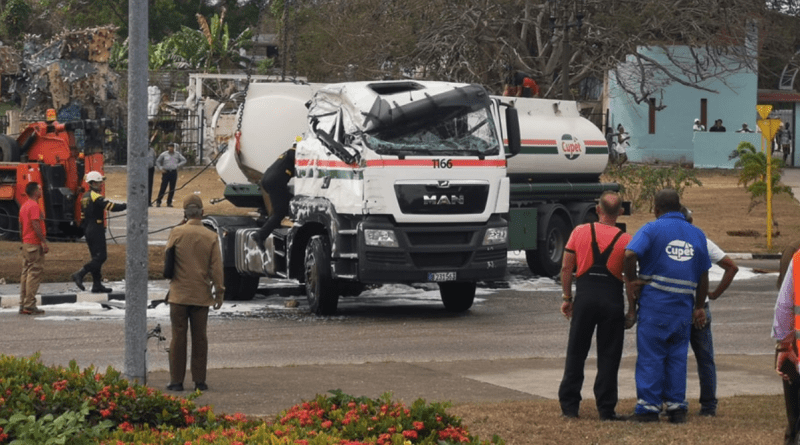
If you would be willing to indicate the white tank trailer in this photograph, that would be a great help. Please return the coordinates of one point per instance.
(543, 191)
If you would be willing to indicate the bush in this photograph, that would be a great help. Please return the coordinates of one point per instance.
(56, 405)
(639, 183)
(752, 167)
(80, 405)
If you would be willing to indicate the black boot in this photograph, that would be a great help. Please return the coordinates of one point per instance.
(98, 288)
(77, 277)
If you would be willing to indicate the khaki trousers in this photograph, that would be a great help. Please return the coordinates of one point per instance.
(32, 270)
(182, 317)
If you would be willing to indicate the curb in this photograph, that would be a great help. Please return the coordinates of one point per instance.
(754, 256)
(7, 301)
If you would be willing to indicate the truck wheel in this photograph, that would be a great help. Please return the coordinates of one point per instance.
(320, 288)
(457, 296)
(9, 228)
(546, 261)
(239, 287)
(9, 149)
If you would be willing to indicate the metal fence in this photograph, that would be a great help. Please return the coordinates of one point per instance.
(183, 127)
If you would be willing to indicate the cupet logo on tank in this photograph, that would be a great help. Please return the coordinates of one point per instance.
(571, 147)
(680, 250)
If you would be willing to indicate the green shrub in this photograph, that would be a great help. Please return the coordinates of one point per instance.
(640, 182)
(56, 405)
(752, 165)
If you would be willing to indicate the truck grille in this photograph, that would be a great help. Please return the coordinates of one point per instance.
(435, 198)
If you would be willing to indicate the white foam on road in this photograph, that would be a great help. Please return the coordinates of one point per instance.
(384, 295)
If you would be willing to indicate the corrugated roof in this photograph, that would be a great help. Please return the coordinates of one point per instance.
(773, 96)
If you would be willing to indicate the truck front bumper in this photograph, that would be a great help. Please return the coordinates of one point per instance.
(432, 253)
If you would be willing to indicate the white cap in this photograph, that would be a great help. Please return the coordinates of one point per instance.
(95, 177)
(697, 120)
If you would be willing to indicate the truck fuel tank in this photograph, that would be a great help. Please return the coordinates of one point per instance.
(558, 144)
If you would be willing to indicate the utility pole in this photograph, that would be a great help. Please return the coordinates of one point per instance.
(136, 264)
(563, 10)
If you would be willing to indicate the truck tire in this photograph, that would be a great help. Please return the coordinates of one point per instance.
(239, 287)
(457, 296)
(9, 149)
(9, 227)
(546, 260)
(320, 288)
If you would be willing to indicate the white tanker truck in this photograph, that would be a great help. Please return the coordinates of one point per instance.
(406, 181)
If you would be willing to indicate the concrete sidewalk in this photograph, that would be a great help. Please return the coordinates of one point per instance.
(266, 391)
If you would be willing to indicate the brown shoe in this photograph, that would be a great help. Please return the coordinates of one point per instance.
(31, 311)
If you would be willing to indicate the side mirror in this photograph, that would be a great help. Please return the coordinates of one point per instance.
(512, 132)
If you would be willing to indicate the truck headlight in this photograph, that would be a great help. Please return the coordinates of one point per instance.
(495, 236)
(380, 238)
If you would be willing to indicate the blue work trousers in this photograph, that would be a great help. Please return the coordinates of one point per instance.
(703, 347)
(662, 343)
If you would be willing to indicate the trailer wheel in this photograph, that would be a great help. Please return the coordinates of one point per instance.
(9, 149)
(546, 261)
(457, 296)
(320, 289)
(9, 227)
(239, 287)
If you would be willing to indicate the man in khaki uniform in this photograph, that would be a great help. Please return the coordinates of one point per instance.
(198, 267)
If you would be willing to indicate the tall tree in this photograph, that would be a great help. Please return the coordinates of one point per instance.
(486, 40)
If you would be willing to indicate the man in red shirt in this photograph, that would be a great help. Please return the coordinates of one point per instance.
(34, 246)
(598, 251)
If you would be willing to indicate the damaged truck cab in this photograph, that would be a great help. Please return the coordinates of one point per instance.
(396, 182)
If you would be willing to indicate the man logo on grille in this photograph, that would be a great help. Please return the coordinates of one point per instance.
(680, 250)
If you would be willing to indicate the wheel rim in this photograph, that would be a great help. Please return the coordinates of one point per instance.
(555, 245)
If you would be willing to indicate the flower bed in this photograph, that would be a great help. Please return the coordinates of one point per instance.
(44, 405)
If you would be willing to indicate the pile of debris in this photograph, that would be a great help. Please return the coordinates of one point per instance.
(69, 73)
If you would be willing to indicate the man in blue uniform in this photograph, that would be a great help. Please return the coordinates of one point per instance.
(670, 290)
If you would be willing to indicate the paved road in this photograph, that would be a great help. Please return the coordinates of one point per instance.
(509, 346)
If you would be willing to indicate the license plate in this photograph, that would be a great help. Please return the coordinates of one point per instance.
(441, 276)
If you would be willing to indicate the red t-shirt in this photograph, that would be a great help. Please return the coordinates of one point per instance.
(29, 212)
(580, 243)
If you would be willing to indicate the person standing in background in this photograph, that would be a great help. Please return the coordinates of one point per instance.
(168, 164)
(700, 339)
(34, 247)
(150, 160)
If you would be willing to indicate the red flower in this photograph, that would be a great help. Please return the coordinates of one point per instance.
(409, 434)
(418, 425)
(326, 424)
(105, 412)
(126, 426)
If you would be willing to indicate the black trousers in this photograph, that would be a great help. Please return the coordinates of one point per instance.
(96, 240)
(598, 303)
(150, 173)
(169, 177)
(279, 197)
(791, 396)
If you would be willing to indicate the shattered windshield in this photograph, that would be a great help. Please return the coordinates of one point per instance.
(456, 131)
